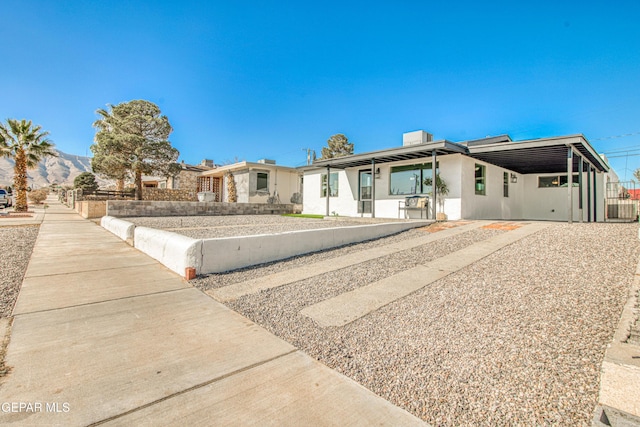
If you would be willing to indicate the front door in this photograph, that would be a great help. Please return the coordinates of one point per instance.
(365, 195)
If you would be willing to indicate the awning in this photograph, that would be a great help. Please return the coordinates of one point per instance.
(409, 152)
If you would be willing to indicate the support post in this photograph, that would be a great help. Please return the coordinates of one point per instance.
(588, 192)
(328, 187)
(434, 160)
(580, 195)
(373, 188)
(570, 184)
(595, 197)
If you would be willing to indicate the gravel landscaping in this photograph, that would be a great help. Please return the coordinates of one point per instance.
(207, 227)
(17, 245)
(515, 338)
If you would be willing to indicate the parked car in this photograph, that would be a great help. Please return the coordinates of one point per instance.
(5, 199)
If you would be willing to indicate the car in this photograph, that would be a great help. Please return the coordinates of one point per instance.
(5, 199)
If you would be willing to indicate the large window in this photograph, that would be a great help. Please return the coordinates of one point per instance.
(556, 181)
(262, 181)
(481, 179)
(410, 179)
(333, 185)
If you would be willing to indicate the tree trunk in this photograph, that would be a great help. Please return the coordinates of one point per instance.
(20, 182)
(138, 185)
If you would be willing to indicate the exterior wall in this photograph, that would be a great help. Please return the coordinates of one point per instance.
(285, 180)
(186, 180)
(242, 185)
(552, 203)
(525, 199)
(493, 204)
(346, 204)
(548, 203)
(126, 208)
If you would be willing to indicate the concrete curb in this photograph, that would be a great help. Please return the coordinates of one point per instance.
(619, 399)
(230, 253)
(188, 257)
(122, 229)
(177, 252)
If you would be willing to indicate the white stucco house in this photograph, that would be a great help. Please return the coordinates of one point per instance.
(256, 182)
(489, 178)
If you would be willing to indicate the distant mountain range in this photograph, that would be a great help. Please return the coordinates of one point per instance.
(60, 170)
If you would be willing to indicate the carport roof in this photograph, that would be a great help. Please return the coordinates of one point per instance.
(547, 155)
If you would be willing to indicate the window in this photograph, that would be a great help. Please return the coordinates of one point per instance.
(556, 181)
(505, 184)
(480, 178)
(410, 179)
(262, 181)
(333, 185)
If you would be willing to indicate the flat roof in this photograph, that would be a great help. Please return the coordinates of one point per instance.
(408, 152)
(545, 155)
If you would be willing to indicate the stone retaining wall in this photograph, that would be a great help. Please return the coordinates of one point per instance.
(167, 194)
(91, 208)
(132, 208)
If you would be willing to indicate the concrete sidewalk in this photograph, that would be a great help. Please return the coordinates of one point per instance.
(103, 334)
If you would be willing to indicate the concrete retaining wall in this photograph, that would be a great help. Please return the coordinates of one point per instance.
(134, 208)
(122, 229)
(175, 251)
(229, 253)
(179, 253)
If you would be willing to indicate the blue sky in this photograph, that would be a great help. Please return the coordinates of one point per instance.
(267, 79)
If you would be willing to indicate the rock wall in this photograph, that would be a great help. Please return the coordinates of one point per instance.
(126, 208)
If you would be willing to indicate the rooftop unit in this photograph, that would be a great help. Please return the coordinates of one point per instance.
(416, 137)
(267, 161)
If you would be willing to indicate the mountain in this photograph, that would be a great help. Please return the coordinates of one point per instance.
(60, 170)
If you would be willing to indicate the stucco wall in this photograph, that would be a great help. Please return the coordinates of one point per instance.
(493, 204)
(386, 204)
(552, 203)
(525, 200)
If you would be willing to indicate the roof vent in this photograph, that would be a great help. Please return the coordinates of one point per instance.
(267, 161)
(416, 137)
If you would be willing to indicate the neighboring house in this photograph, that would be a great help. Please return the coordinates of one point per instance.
(489, 178)
(259, 182)
(187, 179)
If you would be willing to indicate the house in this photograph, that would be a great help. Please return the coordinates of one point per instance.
(488, 178)
(187, 179)
(256, 182)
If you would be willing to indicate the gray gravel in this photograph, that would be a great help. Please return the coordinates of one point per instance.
(206, 227)
(516, 338)
(17, 245)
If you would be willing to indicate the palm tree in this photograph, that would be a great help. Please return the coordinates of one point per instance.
(26, 145)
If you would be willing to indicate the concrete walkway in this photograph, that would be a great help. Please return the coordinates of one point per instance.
(350, 306)
(103, 334)
(237, 290)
